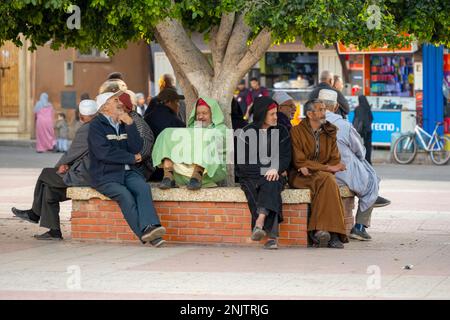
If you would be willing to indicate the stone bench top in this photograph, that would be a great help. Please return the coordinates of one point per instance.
(219, 194)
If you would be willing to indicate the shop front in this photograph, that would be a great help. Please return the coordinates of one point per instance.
(387, 79)
(295, 73)
(295, 69)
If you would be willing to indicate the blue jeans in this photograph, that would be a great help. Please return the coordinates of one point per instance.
(62, 144)
(134, 199)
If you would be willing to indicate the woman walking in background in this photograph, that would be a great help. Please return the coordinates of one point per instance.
(363, 124)
(45, 134)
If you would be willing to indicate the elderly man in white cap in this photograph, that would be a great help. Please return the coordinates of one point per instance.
(71, 170)
(286, 108)
(360, 176)
(114, 148)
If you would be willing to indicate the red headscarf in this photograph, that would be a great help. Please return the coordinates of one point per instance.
(126, 101)
(201, 102)
(272, 106)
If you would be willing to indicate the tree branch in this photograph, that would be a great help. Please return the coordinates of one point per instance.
(237, 45)
(220, 35)
(255, 51)
(183, 52)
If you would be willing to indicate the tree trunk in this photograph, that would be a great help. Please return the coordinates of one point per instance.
(232, 59)
(345, 71)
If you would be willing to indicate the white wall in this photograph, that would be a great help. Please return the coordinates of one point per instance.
(329, 60)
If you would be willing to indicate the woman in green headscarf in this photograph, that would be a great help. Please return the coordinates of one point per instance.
(194, 156)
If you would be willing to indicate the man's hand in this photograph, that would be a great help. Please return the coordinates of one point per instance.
(272, 175)
(137, 158)
(247, 112)
(337, 168)
(125, 118)
(304, 171)
(63, 169)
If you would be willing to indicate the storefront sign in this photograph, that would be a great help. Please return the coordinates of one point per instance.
(385, 103)
(385, 123)
(351, 49)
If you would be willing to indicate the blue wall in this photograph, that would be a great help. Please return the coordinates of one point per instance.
(433, 76)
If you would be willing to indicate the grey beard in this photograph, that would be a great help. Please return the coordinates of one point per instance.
(200, 124)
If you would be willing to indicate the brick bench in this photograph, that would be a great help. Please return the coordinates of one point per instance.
(208, 216)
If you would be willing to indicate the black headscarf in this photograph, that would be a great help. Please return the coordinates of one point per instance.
(363, 115)
(260, 106)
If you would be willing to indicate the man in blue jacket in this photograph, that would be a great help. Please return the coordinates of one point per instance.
(114, 146)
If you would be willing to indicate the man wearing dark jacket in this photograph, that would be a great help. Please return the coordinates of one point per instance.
(161, 114)
(164, 113)
(263, 157)
(71, 170)
(326, 82)
(114, 146)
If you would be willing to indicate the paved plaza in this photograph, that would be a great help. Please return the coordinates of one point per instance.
(413, 231)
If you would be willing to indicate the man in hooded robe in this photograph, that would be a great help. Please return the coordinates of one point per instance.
(315, 160)
(263, 156)
(194, 156)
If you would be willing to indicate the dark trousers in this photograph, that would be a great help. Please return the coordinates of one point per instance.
(264, 197)
(134, 199)
(49, 191)
(367, 137)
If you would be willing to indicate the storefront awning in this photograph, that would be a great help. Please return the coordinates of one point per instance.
(377, 50)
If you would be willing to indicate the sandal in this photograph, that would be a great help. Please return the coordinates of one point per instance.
(258, 234)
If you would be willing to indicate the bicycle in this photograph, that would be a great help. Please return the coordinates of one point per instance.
(405, 148)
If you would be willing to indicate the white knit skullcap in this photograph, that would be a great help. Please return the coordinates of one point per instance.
(87, 107)
(328, 95)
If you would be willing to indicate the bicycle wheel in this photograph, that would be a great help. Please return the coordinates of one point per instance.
(405, 149)
(439, 155)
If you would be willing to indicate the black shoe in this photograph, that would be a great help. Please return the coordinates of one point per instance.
(194, 184)
(335, 242)
(158, 242)
(361, 235)
(49, 235)
(322, 238)
(27, 215)
(381, 202)
(167, 183)
(152, 233)
(271, 244)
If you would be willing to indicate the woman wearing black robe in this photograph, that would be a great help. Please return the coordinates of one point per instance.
(363, 124)
(263, 196)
